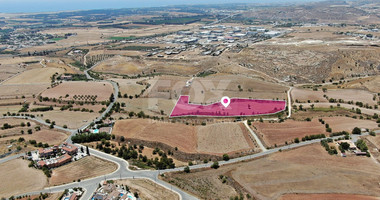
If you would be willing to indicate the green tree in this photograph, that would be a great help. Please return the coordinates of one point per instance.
(186, 169)
(226, 157)
(215, 165)
(356, 131)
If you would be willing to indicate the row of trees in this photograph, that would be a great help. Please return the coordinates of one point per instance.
(90, 137)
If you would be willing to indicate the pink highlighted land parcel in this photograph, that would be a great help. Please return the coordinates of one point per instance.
(237, 107)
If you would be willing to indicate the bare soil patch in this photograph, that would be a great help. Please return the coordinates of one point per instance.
(16, 178)
(279, 133)
(173, 134)
(222, 138)
(84, 168)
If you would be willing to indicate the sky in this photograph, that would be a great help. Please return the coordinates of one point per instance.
(19, 6)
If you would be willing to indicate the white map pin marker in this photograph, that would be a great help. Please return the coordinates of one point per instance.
(225, 101)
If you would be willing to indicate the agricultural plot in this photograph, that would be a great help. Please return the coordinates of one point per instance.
(347, 124)
(17, 91)
(80, 91)
(17, 178)
(207, 139)
(84, 168)
(150, 106)
(51, 137)
(34, 76)
(355, 95)
(16, 126)
(71, 119)
(278, 133)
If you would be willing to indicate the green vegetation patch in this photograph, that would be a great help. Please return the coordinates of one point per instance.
(123, 38)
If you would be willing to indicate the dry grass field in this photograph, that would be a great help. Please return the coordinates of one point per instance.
(279, 133)
(19, 90)
(166, 87)
(84, 168)
(147, 189)
(371, 84)
(204, 184)
(10, 109)
(34, 76)
(213, 87)
(61, 65)
(223, 138)
(303, 95)
(16, 126)
(54, 196)
(150, 106)
(132, 66)
(216, 139)
(307, 169)
(102, 90)
(72, 119)
(129, 86)
(347, 124)
(51, 137)
(323, 106)
(309, 61)
(327, 197)
(173, 134)
(16, 178)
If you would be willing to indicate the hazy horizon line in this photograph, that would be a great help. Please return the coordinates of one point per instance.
(26, 7)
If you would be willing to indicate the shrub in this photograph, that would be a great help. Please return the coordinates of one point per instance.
(357, 131)
(226, 157)
(186, 169)
(215, 165)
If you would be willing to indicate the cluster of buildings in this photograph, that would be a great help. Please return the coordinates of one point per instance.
(16, 40)
(110, 191)
(55, 156)
(212, 40)
(72, 195)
